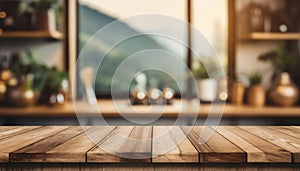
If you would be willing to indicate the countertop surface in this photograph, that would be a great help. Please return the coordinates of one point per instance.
(109, 109)
(153, 144)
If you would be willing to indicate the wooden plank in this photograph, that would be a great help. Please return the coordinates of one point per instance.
(170, 144)
(75, 149)
(5, 128)
(11, 144)
(124, 144)
(282, 140)
(254, 154)
(216, 149)
(147, 167)
(37, 152)
(13, 131)
(298, 127)
(288, 130)
(273, 152)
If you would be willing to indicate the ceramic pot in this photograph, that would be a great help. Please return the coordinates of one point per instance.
(207, 89)
(237, 93)
(284, 92)
(256, 95)
(23, 94)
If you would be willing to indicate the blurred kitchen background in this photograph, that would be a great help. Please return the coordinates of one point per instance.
(256, 42)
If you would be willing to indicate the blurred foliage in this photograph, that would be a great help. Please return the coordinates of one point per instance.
(285, 58)
(255, 78)
(282, 59)
(205, 67)
(44, 77)
(34, 5)
(199, 71)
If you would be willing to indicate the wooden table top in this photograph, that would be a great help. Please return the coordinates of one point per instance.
(229, 144)
(108, 109)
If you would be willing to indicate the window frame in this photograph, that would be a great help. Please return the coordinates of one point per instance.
(73, 45)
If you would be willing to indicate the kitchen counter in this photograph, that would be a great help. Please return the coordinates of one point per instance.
(243, 146)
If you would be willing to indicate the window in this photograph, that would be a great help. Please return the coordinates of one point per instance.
(210, 18)
(95, 15)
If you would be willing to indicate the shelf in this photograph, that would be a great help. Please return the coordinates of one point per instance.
(271, 36)
(108, 109)
(32, 34)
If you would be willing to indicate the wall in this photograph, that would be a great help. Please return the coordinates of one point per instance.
(247, 62)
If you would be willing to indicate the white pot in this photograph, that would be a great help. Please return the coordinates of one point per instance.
(207, 89)
(51, 20)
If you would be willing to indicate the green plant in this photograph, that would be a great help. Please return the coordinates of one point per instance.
(199, 71)
(54, 79)
(205, 68)
(44, 78)
(26, 64)
(282, 59)
(34, 5)
(255, 79)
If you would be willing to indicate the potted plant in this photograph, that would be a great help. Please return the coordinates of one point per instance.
(43, 12)
(256, 92)
(29, 84)
(283, 91)
(237, 90)
(36, 82)
(57, 87)
(207, 86)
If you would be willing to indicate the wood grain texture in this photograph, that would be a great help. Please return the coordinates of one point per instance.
(75, 149)
(5, 128)
(282, 140)
(37, 152)
(124, 144)
(143, 167)
(170, 144)
(9, 145)
(298, 127)
(273, 152)
(288, 130)
(216, 149)
(253, 153)
(13, 131)
(228, 144)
